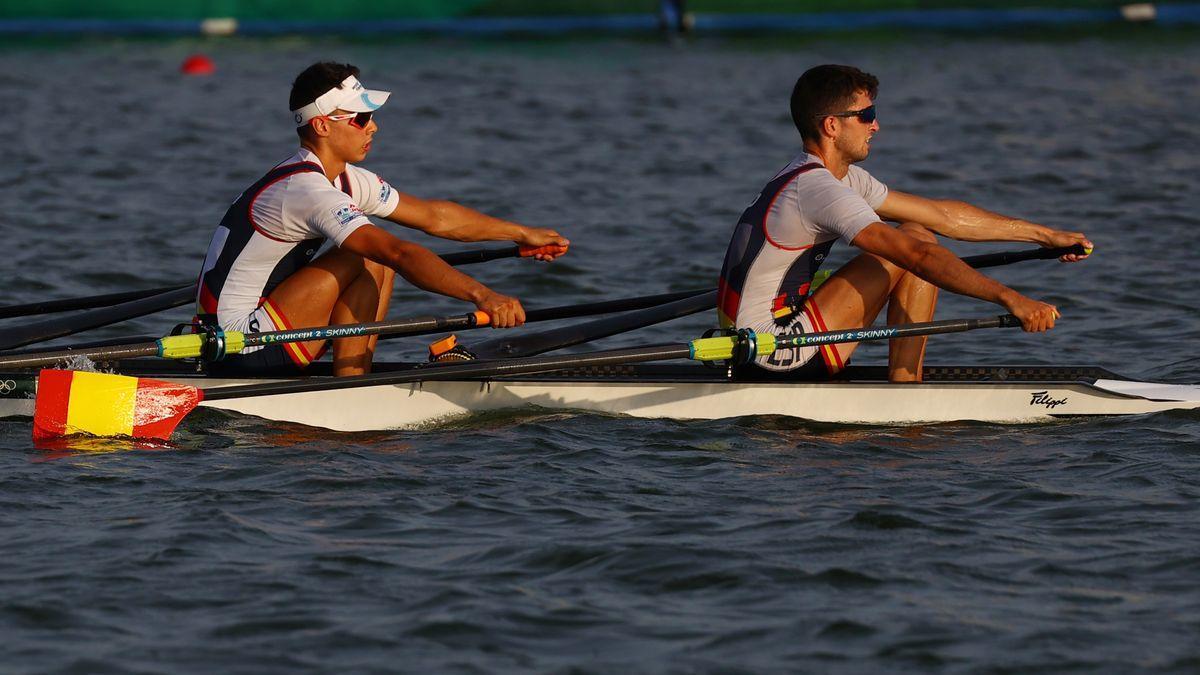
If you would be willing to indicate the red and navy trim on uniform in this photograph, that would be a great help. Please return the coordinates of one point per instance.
(749, 238)
(239, 220)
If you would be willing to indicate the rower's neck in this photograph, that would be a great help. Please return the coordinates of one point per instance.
(333, 165)
(833, 160)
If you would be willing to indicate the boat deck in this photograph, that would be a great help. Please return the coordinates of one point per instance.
(688, 373)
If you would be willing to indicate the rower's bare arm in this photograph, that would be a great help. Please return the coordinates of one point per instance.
(967, 222)
(425, 270)
(450, 220)
(937, 265)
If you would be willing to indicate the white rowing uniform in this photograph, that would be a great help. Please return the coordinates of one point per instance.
(275, 228)
(779, 244)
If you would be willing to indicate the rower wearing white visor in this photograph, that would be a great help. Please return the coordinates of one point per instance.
(262, 272)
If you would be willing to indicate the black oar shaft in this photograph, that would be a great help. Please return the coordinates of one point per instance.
(49, 329)
(112, 350)
(483, 255)
(559, 338)
(87, 302)
(116, 307)
(593, 308)
(893, 332)
(608, 306)
(1009, 257)
(454, 371)
(415, 326)
(43, 358)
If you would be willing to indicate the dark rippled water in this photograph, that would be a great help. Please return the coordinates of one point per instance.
(554, 542)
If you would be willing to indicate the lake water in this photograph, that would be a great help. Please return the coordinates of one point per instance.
(535, 541)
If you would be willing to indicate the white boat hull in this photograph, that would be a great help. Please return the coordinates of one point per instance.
(696, 393)
(411, 405)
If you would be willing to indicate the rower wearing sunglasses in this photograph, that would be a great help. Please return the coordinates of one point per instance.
(767, 281)
(262, 271)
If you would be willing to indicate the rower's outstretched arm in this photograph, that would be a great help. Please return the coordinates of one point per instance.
(967, 222)
(450, 220)
(425, 270)
(937, 265)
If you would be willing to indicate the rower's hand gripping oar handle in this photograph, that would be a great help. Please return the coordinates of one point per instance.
(1007, 258)
(1005, 321)
(551, 250)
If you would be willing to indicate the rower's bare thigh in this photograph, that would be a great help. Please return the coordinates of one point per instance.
(307, 297)
(855, 294)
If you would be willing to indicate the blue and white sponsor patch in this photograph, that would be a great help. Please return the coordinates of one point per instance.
(385, 191)
(346, 213)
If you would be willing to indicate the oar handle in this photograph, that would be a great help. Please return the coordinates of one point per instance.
(484, 255)
(487, 254)
(553, 250)
(1009, 257)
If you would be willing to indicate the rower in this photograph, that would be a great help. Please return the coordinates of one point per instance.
(263, 272)
(821, 196)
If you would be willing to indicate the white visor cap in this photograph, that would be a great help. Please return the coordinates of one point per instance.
(349, 95)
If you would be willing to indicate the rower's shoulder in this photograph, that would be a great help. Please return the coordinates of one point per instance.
(856, 173)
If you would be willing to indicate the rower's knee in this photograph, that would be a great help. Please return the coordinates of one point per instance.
(918, 231)
(382, 274)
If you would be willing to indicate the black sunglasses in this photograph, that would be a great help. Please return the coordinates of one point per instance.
(866, 115)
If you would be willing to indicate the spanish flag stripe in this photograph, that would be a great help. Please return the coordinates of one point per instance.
(102, 404)
(161, 406)
(829, 353)
(53, 399)
(277, 317)
(295, 350)
(810, 308)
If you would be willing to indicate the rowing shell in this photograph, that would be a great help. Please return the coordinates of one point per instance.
(1010, 394)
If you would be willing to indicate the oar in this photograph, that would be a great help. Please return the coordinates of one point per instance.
(70, 402)
(191, 346)
(529, 344)
(566, 336)
(234, 342)
(594, 308)
(487, 254)
(86, 302)
(50, 329)
(993, 259)
(1009, 257)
